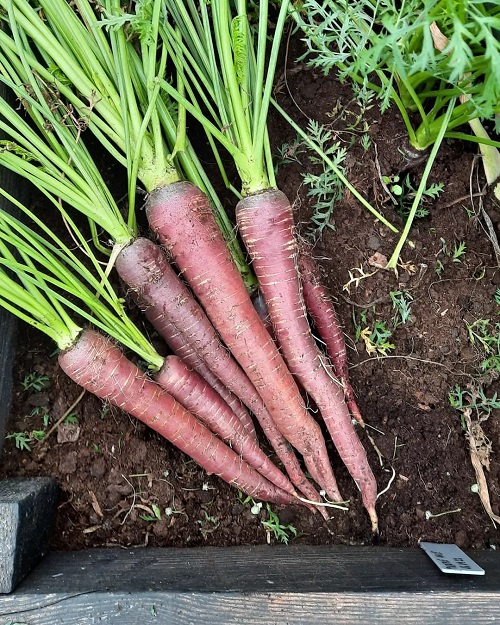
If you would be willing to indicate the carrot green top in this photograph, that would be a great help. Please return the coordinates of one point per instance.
(226, 66)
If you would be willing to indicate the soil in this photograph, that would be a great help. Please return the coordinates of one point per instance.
(114, 472)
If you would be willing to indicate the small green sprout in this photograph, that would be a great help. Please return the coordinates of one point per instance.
(458, 251)
(156, 516)
(21, 440)
(274, 526)
(401, 303)
(35, 381)
(37, 435)
(439, 268)
(71, 419)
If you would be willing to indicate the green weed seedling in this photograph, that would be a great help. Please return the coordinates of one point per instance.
(244, 499)
(473, 399)
(289, 153)
(405, 194)
(401, 304)
(375, 338)
(21, 440)
(458, 251)
(207, 525)
(326, 187)
(41, 411)
(155, 516)
(273, 526)
(486, 334)
(34, 382)
(439, 268)
(71, 419)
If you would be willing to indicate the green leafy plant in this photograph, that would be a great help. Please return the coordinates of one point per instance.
(455, 253)
(155, 516)
(458, 251)
(289, 152)
(34, 382)
(439, 66)
(280, 531)
(41, 411)
(208, 524)
(401, 304)
(71, 419)
(393, 42)
(405, 193)
(473, 399)
(486, 334)
(326, 187)
(375, 336)
(21, 440)
(439, 268)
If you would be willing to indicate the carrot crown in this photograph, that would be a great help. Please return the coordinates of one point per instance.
(93, 65)
(44, 283)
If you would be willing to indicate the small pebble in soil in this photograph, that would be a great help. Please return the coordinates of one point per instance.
(68, 433)
(374, 243)
(161, 529)
(205, 496)
(286, 516)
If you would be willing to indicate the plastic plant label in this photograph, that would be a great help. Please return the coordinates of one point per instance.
(451, 559)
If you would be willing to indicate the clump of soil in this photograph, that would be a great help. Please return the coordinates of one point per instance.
(123, 485)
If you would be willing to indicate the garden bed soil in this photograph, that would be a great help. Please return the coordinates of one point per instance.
(113, 471)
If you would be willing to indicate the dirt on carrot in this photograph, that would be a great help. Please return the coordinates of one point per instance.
(115, 473)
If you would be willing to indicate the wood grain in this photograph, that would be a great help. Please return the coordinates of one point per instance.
(27, 512)
(174, 608)
(251, 585)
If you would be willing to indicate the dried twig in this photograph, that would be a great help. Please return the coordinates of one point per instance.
(477, 463)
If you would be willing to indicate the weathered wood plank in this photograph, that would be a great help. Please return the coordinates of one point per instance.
(254, 569)
(7, 348)
(251, 585)
(150, 608)
(27, 512)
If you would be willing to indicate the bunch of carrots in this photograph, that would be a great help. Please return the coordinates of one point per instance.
(91, 67)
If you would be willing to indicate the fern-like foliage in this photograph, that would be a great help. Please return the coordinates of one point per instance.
(325, 187)
(388, 45)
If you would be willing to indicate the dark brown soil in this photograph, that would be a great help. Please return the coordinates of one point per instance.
(116, 470)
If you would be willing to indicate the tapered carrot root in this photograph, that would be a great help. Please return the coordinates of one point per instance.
(182, 218)
(174, 313)
(100, 367)
(278, 442)
(320, 307)
(198, 397)
(181, 347)
(266, 226)
(144, 267)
